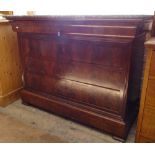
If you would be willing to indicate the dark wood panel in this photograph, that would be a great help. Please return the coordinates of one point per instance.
(39, 46)
(127, 31)
(77, 71)
(83, 93)
(99, 29)
(111, 54)
(91, 74)
(95, 52)
(28, 27)
(52, 24)
(40, 66)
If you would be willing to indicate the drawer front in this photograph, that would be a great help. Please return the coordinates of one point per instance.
(98, 30)
(92, 29)
(40, 66)
(35, 27)
(86, 94)
(39, 47)
(107, 54)
(152, 67)
(148, 123)
(150, 94)
(85, 73)
(91, 74)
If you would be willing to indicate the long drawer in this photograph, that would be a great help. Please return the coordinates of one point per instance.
(80, 28)
(112, 54)
(78, 90)
(77, 71)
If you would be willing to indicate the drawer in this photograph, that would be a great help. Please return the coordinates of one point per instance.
(76, 71)
(98, 30)
(107, 54)
(152, 67)
(81, 93)
(91, 74)
(150, 94)
(79, 29)
(148, 123)
(35, 27)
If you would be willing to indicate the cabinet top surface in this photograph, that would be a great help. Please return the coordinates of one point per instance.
(82, 17)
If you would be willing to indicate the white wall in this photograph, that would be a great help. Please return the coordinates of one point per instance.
(80, 7)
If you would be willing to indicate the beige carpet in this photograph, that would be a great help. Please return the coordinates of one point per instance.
(67, 130)
(12, 130)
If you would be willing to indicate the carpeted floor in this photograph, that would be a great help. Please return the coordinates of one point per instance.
(20, 123)
(12, 130)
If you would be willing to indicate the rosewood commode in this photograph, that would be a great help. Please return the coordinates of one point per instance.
(85, 68)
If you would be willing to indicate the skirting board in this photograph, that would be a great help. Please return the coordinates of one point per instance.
(10, 97)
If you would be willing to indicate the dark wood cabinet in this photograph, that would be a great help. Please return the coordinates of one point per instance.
(84, 68)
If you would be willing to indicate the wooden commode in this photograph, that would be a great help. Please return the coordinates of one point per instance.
(10, 66)
(84, 68)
